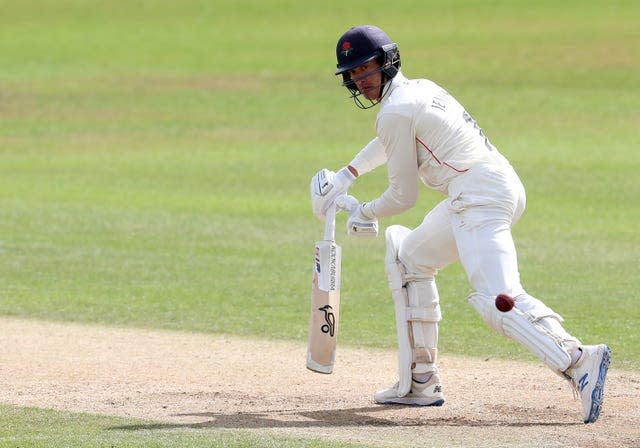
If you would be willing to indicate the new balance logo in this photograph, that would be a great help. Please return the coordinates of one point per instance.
(583, 381)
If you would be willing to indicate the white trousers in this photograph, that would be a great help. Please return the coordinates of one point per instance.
(473, 225)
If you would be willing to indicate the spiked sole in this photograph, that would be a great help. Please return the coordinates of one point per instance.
(597, 394)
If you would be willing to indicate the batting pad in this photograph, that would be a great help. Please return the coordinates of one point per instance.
(417, 311)
(525, 327)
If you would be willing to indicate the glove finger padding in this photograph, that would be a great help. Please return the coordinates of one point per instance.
(360, 225)
(326, 186)
(347, 203)
(321, 184)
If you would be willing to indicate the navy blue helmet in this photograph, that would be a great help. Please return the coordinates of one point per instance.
(361, 44)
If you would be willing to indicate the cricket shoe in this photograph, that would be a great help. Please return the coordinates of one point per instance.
(421, 394)
(587, 378)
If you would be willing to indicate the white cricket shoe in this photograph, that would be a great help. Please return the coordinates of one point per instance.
(421, 394)
(587, 378)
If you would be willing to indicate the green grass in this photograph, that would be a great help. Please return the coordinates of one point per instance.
(155, 160)
(35, 428)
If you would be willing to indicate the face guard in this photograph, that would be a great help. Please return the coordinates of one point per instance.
(362, 44)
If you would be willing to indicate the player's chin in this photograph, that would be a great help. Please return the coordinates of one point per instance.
(371, 93)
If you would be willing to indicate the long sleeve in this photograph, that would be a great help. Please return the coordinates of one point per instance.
(397, 137)
(369, 157)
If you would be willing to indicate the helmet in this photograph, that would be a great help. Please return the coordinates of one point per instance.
(361, 44)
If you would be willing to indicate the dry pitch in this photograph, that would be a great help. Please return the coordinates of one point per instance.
(202, 381)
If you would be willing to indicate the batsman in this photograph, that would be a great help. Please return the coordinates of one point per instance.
(424, 134)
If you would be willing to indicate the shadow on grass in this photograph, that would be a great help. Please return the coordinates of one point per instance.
(357, 417)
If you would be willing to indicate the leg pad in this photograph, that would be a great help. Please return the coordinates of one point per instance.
(525, 324)
(417, 311)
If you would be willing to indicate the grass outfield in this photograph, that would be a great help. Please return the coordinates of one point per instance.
(32, 428)
(155, 160)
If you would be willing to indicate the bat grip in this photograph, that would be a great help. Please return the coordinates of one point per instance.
(330, 224)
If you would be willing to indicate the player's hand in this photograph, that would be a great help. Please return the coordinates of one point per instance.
(347, 203)
(357, 224)
(326, 186)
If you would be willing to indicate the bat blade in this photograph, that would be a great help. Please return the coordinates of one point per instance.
(325, 307)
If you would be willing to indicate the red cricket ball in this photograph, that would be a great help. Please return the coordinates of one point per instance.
(504, 302)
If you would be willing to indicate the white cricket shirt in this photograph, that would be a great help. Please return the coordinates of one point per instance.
(422, 132)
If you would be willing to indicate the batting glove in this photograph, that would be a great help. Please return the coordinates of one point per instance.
(326, 186)
(358, 224)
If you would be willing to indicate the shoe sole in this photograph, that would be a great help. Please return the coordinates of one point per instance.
(412, 402)
(597, 394)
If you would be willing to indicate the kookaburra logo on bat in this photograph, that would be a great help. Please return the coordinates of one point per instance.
(330, 320)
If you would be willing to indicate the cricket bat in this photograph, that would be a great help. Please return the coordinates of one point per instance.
(325, 300)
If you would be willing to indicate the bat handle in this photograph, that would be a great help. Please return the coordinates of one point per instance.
(330, 224)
